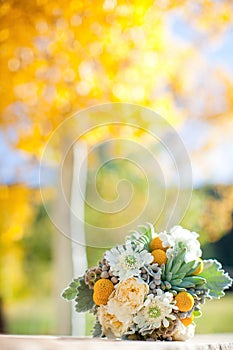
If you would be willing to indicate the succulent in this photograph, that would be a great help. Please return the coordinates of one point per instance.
(177, 274)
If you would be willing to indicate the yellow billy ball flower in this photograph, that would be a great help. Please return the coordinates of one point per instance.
(102, 290)
(160, 256)
(156, 243)
(187, 321)
(184, 301)
(200, 268)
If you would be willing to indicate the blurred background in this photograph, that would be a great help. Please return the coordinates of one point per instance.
(173, 56)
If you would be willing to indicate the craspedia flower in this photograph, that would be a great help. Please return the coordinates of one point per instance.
(200, 268)
(156, 243)
(160, 256)
(102, 290)
(184, 301)
(187, 321)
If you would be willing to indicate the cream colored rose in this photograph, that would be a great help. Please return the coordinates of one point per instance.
(111, 326)
(127, 299)
(124, 302)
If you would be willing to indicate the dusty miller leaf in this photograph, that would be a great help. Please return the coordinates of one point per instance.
(97, 329)
(71, 291)
(84, 299)
(217, 279)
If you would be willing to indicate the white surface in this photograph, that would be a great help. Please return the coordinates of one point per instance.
(199, 342)
(79, 257)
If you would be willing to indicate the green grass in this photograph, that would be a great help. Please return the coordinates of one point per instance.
(30, 318)
(217, 316)
(90, 319)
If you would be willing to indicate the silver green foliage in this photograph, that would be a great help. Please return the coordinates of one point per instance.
(97, 329)
(217, 280)
(79, 291)
(71, 291)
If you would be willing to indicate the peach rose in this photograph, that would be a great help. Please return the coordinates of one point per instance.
(127, 299)
(111, 326)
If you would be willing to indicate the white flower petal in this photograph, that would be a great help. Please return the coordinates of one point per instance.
(180, 236)
(156, 310)
(126, 262)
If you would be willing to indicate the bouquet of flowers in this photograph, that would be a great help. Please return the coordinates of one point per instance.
(150, 288)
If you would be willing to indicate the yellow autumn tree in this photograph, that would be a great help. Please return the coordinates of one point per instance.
(58, 58)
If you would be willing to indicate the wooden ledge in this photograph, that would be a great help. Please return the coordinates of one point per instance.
(199, 342)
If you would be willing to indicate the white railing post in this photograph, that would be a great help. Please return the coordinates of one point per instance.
(77, 228)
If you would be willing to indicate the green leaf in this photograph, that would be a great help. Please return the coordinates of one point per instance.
(217, 280)
(97, 329)
(168, 265)
(191, 271)
(143, 237)
(178, 275)
(169, 276)
(186, 284)
(71, 291)
(178, 261)
(179, 289)
(197, 280)
(197, 313)
(84, 300)
(186, 267)
(176, 282)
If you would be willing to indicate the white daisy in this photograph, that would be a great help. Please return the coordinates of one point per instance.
(179, 238)
(126, 262)
(156, 311)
